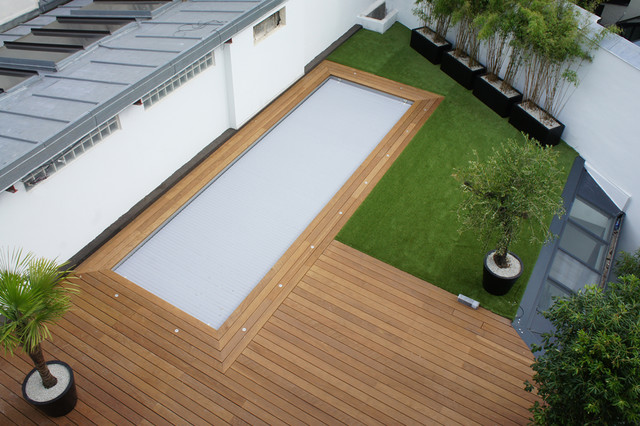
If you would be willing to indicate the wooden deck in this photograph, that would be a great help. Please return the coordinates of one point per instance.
(330, 335)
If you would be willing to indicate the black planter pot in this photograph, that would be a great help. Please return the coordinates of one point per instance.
(494, 98)
(527, 123)
(60, 405)
(459, 71)
(426, 47)
(496, 284)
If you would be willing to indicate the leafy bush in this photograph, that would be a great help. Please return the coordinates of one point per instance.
(589, 372)
(628, 263)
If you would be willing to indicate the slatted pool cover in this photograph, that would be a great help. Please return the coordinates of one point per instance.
(206, 259)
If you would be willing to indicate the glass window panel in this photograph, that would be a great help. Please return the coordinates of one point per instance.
(584, 247)
(549, 291)
(592, 219)
(571, 273)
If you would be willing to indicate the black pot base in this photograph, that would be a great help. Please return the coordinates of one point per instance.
(459, 71)
(525, 122)
(495, 284)
(63, 403)
(427, 48)
(494, 98)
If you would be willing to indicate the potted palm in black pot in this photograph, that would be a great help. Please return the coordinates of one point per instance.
(517, 186)
(34, 293)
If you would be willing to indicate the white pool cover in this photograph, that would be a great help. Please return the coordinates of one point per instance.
(208, 257)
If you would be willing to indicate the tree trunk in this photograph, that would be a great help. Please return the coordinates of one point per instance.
(48, 380)
(500, 259)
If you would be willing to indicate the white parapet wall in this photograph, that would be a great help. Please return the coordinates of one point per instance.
(378, 24)
(63, 213)
(58, 217)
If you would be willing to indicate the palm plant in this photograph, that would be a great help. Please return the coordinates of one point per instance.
(34, 293)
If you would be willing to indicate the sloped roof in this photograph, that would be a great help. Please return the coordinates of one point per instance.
(73, 93)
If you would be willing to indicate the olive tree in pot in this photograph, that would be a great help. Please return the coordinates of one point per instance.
(34, 293)
(515, 187)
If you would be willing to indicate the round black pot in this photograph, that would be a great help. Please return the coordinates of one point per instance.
(497, 284)
(63, 403)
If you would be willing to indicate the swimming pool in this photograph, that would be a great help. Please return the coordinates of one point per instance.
(208, 256)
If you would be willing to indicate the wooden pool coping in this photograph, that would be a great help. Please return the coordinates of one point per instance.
(229, 340)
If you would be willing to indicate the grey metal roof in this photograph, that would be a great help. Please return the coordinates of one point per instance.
(47, 113)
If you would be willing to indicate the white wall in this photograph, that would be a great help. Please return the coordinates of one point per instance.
(64, 213)
(11, 9)
(263, 70)
(405, 14)
(323, 25)
(601, 119)
(68, 210)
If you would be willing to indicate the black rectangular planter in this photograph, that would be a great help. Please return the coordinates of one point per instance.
(427, 48)
(527, 123)
(494, 98)
(459, 71)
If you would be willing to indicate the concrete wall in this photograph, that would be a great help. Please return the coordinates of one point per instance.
(62, 214)
(601, 121)
(12, 9)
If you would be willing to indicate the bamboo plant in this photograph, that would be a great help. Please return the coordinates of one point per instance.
(34, 293)
(435, 15)
(495, 28)
(466, 13)
(551, 39)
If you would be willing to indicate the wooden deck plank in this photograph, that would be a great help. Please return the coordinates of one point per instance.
(329, 336)
(408, 357)
(384, 365)
(339, 275)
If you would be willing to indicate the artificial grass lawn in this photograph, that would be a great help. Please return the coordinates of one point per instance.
(409, 220)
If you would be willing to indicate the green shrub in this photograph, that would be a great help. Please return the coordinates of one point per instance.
(589, 372)
(628, 264)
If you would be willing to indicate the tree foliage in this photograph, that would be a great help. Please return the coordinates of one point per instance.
(589, 372)
(514, 187)
(436, 14)
(628, 263)
(542, 42)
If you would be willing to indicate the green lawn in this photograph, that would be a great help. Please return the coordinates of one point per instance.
(409, 220)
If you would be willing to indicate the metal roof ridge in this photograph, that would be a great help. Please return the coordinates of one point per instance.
(104, 110)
